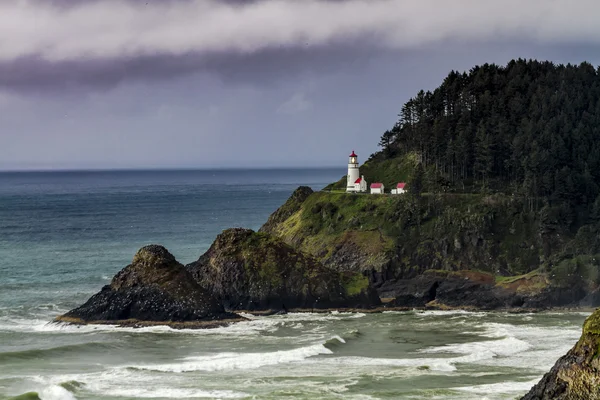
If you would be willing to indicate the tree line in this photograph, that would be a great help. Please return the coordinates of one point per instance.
(529, 128)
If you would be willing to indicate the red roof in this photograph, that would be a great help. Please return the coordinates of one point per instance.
(353, 154)
(376, 185)
(401, 185)
(359, 180)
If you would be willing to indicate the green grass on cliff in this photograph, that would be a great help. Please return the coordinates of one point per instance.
(448, 231)
(592, 324)
(389, 172)
(355, 284)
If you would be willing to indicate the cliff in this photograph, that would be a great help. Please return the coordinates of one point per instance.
(249, 270)
(575, 376)
(153, 289)
(411, 244)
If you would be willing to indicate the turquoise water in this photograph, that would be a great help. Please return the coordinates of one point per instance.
(64, 235)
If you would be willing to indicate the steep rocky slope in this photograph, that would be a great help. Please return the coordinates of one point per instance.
(575, 376)
(249, 270)
(153, 289)
(404, 242)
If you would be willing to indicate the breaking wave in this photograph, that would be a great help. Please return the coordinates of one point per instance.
(231, 361)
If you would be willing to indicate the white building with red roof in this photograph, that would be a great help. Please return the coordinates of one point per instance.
(400, 188)
(377, 188)
(360, 185)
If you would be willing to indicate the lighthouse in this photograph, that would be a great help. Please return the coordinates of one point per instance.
(353, 173)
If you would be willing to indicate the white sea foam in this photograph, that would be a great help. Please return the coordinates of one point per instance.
(437, 313)
(546, 344)
(253, 327)
(397, 312)
(499, 388)
(230, 361)
(426, 364)
(484, 349)
(503, 345)
(111, 382)
(173, 393)
(55, 392)
(244, 328)
(338, 338)
(317, 317)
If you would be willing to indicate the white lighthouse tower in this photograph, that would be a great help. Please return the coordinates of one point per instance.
(353, 173)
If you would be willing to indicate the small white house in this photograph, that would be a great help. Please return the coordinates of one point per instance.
(400, 188)
(360, 185)
(377, 188)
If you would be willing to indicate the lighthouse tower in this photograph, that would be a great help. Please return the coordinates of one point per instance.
(353, 172)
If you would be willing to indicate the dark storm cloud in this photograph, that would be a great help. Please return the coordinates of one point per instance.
(33, 74)
(92, 43)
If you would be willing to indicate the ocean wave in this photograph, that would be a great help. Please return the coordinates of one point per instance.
(465, 353)
(32, 354)
(499, 388)
(244, 328)
(444, 313)
(26, 396)
(476, 351)
(119, 382)
(425, 365)
(514, 346)
(51, 392)
(232, 361)
(173, 393)
(546, 344)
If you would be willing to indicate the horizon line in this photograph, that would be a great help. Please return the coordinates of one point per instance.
(162, 169)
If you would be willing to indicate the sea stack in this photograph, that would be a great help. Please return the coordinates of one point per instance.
(256, 271)
(154, 289)
(576, 375)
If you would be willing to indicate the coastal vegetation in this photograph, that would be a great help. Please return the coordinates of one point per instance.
(503, 166)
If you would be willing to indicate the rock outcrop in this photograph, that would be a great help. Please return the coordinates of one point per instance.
(154, 289)
(468, 250)
(575, 376)
(478, 290)
(291, 206)
(253, 271)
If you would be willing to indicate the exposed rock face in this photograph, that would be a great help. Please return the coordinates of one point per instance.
(575, 376)
(393, 240)
(477, 290)
(154, 288)
(451, 289)
(250, 270)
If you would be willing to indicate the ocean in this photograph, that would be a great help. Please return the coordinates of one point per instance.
(63, 235)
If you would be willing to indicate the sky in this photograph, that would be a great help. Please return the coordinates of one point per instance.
(113, 84)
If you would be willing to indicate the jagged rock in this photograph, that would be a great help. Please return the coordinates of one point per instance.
(153, 289)
(250, 270)
(415, 292)
(591, 300)
(576, 375)
(466, 289)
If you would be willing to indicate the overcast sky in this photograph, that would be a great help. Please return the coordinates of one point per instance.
(199, 83)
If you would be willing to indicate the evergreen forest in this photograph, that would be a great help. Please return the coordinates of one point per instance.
(530, 129)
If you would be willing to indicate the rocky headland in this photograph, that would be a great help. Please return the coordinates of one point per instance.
(255, 271)
(478, 227)
(154, 289)
(576, 375)
(471, 251)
